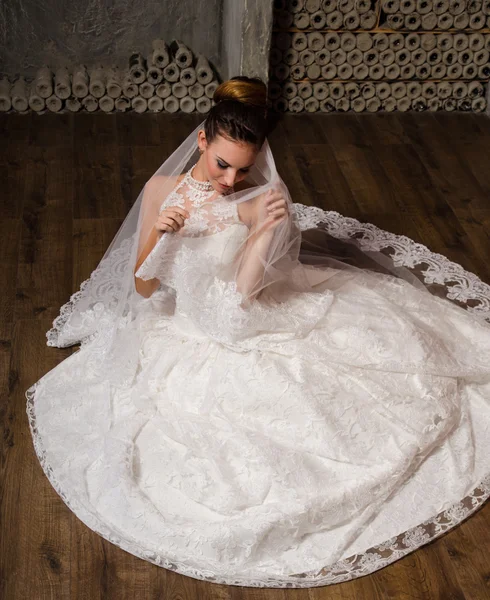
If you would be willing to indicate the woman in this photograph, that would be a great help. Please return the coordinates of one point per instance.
(247, 406)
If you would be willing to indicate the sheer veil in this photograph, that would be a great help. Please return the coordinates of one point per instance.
(260, 287)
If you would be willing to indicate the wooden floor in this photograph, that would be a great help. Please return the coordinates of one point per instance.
(67, 182)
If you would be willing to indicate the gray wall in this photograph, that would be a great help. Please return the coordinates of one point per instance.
(67, 32)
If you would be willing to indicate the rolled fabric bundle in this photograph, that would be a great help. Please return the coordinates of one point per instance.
(337, 90)
(137, 68)
(388, 104)
(377, 72)
(464, 104)
(73, 104)
(352, 20)
(424, 7)
(187, 104)
(445, 21)
(486, 7)
(391, 72)
(334, 20)
(43, 82)
(368, 90)
(301, 20)
(179, 90)
(450, 57)
(397, 41)
(368, 20)
(171, 104)
(414, 89)
(428, 41)
(281, 105)
(338, 56)
(275, 90)
(313, 71)
(444, 89)
(312, 6)
(371, 57)
(293, 5)
(122, 104)
(329, 6)
(476, 41)
(478, 104)
(419, 104)
(316, 41)
(423, 71)
(454, 71)
(477, 21)
(114, 87)
(161, 54)
(408, 7)
(403, 104)
(282, 40)
(348, 41)
(90, 103)
(456, 7)
(429, 21)
(284, 19)
(395, 21)
(139, 104)
(305, 89)
(329, 71)
(155, 104)
(275, 57)
(281, 72)
(164, 89)
(352, 90)
(291, 56)
(402, 57)
(470, 71)
(460, 42)
(413, 22)
(362, 6)
(36, 103)
(289, 90)
(419, 56)
(298, 71)
(461, 21)
(429, 89)
(106, 103)
(342, 104)
(434, 57)
(373, 104)
(465, 57)
(210, 88)
(399, 89)
(484, 72)
(332, 41)
(19, 93)
(98, 80)
(296, 104)
(474, 6)
(412, 41)
(195, 91)
(203, 70)
(361, 71)
(62, 85)
(182, 55)
(154, 74)
(438, 71)
(306, 57)
(299, 41)
(346, 6)
(460, 89)
(475, 89)
(345, 71)
(322, 57)
(390, 7)
(311, 105)
(203, 104)
(146, 89)
(445, 41)
(449, 104)
(383, 90)
(358, 104)
(130, 89)
(171, 73)
(407, 71)
(318, 20)
(320, 90)
(364, 41)
(53, 103)
(327, 105)
(79, 82)
(440, 7)
(381, 41)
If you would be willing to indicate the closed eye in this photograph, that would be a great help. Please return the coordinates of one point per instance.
(224, 166)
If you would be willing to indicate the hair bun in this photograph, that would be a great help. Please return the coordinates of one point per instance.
(248, 90)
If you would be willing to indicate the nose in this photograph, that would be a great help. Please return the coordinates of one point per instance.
(230, 177)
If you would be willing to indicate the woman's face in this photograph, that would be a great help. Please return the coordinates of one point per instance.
(225, 162)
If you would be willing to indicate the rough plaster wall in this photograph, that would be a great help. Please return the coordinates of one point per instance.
(67, 32)
(256, 38)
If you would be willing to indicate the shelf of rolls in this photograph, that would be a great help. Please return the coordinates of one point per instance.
(380, 55)
(170, 79)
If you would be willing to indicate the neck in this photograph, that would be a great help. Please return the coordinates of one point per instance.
(198, 173)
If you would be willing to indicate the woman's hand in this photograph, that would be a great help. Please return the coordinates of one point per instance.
(171, 219)
(273, 210)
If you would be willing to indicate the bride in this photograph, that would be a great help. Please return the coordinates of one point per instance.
(261, 398)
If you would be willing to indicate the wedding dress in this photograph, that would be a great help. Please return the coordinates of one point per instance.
(308, 441)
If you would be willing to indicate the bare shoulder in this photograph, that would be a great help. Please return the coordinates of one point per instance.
(247, 209)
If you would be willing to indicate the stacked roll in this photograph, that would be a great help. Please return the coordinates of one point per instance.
(171, 78)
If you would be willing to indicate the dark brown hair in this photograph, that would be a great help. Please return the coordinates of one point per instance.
(240, 113)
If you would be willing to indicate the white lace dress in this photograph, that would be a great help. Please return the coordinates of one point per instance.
(290, 461)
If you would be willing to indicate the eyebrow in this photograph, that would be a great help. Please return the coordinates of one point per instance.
(228, 164)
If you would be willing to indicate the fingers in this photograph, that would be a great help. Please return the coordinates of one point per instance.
(168, 224)
(185, 213)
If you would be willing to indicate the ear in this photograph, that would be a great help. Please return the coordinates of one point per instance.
(201, 140)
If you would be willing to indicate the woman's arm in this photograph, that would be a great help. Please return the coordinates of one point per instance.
(146, 287)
